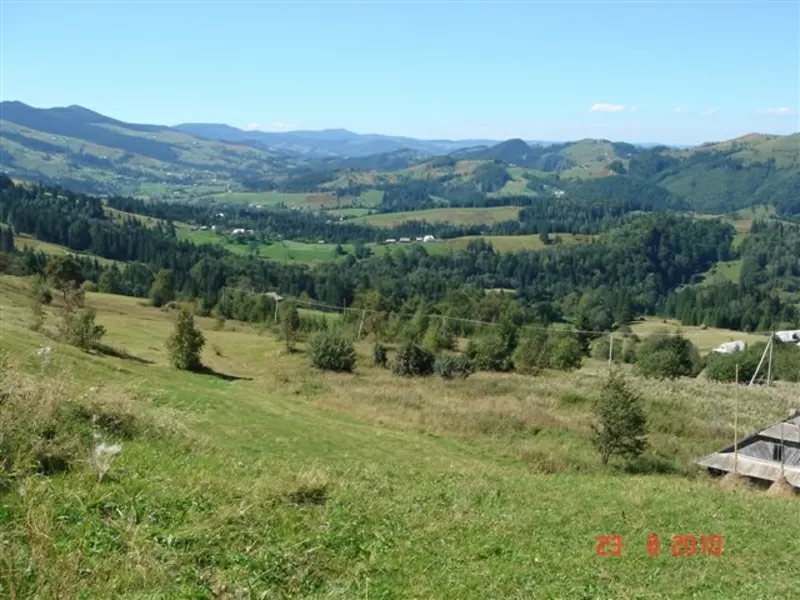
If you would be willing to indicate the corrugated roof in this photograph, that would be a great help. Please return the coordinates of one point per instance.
(760, 453)
(751, 467)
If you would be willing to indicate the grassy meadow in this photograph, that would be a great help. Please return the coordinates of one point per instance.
(267, 479)
(310, 201)
(457, 216)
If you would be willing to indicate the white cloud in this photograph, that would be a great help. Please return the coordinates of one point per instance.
(253, 126)
(634, 108)
(710, 112)
(605, 107)
(781, 111)
(679, 109)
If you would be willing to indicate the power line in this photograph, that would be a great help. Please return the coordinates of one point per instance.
(363, 311)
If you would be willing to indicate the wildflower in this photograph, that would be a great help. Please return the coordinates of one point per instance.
(102, 456)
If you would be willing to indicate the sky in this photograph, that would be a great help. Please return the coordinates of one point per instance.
(678, 72)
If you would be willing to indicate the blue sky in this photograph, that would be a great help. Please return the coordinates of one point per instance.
(678, 73)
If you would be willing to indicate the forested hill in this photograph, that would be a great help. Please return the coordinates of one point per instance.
(86, 151)
(634, 268)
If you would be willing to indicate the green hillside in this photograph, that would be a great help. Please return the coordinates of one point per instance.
(271, 479)
(84, 150)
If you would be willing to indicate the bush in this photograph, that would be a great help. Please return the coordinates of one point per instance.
(722, 367)
(491, 352)
(330, 351)
(566, 353)
(620, 426)
(412, 360)
(439, 336)
(40, 292)
(624, 348)
(667, 357)
(163, 288)
(448, 367)
(80, 330)
(186, 343)
(786, 362)
(290, 323)
(533, 353)
(379, 357)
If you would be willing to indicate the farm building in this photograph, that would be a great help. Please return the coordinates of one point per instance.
(762, 455)
(730, 347)
(788, 336)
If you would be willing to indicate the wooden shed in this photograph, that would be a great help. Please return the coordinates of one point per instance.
(767, 454)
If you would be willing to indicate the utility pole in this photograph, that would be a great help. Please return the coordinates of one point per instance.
(361, 325)
(736, 426)
(610, 350)
(769, 366)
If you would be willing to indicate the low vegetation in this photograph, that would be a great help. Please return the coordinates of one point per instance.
(281, 480)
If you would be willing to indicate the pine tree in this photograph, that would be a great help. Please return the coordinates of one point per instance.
(621, 424)
(186, 343)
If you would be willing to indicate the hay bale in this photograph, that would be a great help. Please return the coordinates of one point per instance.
(734, 481)
(781, 487)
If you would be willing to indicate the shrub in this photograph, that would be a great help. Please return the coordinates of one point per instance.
(620, 426)
(786, 362)
(163, 288)
(667, 357)
(722, 367)
(290, 323)
(566, 353)
(379, 357)
(40, 292)
(186, 343)
(532, 353)
(80, 330)
(448, 367)
(412, 360)
(439, 336)
(491, 352)
(332, 352)
(624, 348)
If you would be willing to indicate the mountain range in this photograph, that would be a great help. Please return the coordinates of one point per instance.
(84, 150)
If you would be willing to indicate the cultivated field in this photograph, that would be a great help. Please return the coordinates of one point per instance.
(272, 480)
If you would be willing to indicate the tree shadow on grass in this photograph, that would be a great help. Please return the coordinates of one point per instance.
(107, 350)
(204, 370)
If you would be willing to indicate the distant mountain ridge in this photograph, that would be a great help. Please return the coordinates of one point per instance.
(84, 150)
(329, 142)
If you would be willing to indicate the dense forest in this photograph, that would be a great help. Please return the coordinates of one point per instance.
(642, 266)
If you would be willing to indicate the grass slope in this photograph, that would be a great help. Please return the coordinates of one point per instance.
(290, 483)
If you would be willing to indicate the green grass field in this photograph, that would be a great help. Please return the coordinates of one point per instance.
(25, 241)
(457, 216)
(286, 250)
(705, 339)
(279, 481)
(274, 198)
(729, 270)
(309, 201)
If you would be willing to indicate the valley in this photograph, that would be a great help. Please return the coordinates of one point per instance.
(374, 415)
